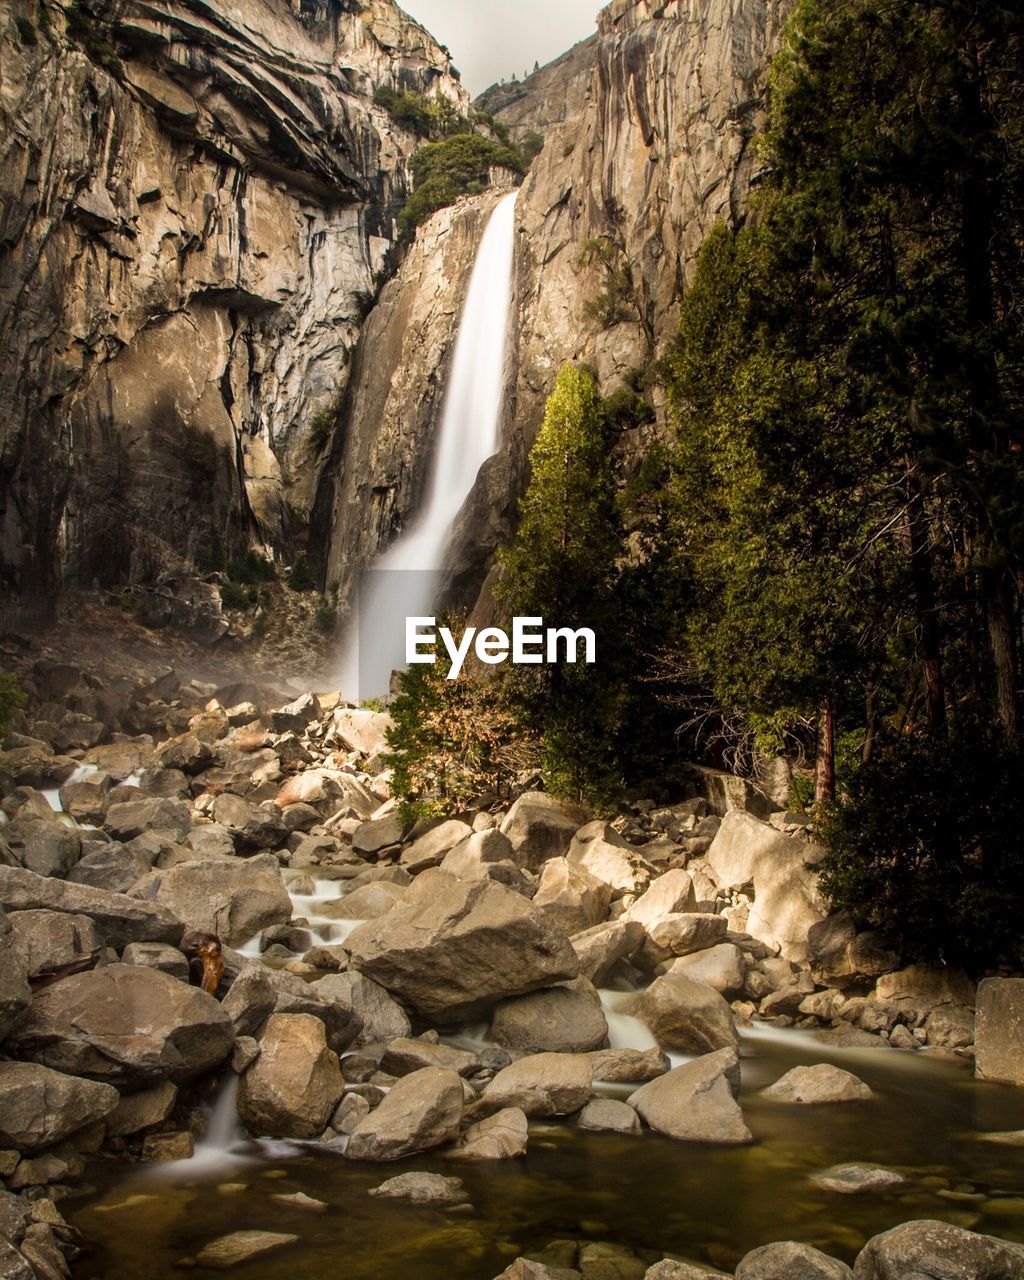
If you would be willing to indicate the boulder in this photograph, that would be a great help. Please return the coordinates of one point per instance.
(471, 859)
(47, 847)
(297, 715)
(682, 935)
(231, 1250)
(540, 827)
(455, 948)
(86, 799)
(423, 1110)
(601, 948)
(234, 900)
(253, 827)
(816, 1085)
(136, 1112)
(50, 939)
(669, 895)
(573, 898)
(362, 730)
(292, 1088)
(608, 1115)
(157, 955)
(328, 791)
(672, 1269)
(39, 1107)
(378, 833)
(918, 990)
(628, 1066)
(114, 867)
(787, 902)
(841, 956)
(250, 1001)
(686, 1015)
(999, 1030)
(130, 818)
(722, 968)
(527, 1269)
(788, 1260)
(696, 1102)
(502, 1136)
(431, 847)
(15, 994)
(120, 919)
(126, 1025)
(369, 901)
(187, 753)
(380, 1018)
(851, 1179)
(422, 1188)
(619, 865)
(938, 1249)
(564, 1019)
(542, 1085)
(403, 1056)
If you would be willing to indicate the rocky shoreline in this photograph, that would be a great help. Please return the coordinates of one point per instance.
(165, 846)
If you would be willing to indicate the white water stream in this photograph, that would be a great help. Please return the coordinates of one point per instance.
(405, 579)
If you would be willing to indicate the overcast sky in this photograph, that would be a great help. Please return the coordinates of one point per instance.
(490, 39)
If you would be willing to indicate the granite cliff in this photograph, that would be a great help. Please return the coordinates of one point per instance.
(196, 206)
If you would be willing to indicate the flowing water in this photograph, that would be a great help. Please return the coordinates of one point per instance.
(405, 580)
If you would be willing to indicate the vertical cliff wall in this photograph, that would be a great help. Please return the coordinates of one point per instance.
(195, 198)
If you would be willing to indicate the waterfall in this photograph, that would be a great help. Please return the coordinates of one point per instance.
(405, 579)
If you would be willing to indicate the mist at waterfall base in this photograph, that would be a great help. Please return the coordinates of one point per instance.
(406, 580)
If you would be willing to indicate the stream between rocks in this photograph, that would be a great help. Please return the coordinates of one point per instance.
(626, 1200)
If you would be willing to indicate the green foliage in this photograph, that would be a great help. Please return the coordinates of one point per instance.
(927, 842)
(453, 742)
(616, 299)
(300, 575)
(12, 699)
(626, 409)
(88, 25)
(531, 146)
(323, 422)
(252, 570)
(326, 617)
(444, 171)
(372, 704)
(235, 595)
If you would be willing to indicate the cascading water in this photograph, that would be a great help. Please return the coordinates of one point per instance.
(405, 579)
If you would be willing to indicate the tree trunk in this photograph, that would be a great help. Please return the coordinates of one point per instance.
(999, 620)
(923, 580)
(825, 779)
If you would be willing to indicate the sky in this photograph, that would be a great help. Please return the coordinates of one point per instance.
(491, 39)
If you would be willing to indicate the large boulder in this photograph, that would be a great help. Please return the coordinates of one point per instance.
(573, 898)
(544, 1084)
(599, 849)
(696, 1102)
(455, 948)
(540, 827)
(565, 1019)
(683, 935)
(380, 1018)
(669, 895)
(15, 994)
(124, 1024)
(234, 900)
(404, 1056)
(686, 1015)
(334, 1009)
(362, 730)
(787, 901)
(929, 1249)
(721, 968)
(601, 948)
(820, 1084)
(253, 827)
(999, 1030)
(423, 1110)
(328, 791)
(47, 847)
(429, 849)
(292, 1088)
(39, 1107)
(120, 919)
(502, 1136)
(918, 990)
(130, 818)
(52, 938)
(788, 1260)
(841, 956)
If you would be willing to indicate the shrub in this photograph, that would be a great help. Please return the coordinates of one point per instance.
(301, 576)
(253, 569)
(234, 595)
(326, 617)
(12, 699)
(615, 299)
(531, 147)
(927, 840)
(444, 171)
(324, 420)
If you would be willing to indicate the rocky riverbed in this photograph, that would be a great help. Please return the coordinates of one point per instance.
(249, 1014)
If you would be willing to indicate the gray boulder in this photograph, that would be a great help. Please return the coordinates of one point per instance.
(234, 900)
(788, 1260)
(52, 938)
(937, 1250)
(380, 1018)
(131, 818)
(696, 1102)
(126, 1025)
(999, 1030)
(432, 847)
(454, 948)
(609, 1116)
(502, 1136)
(39, 1107)
(119, 918)
(600, 949)
(565, 1019)
(49, 848)
(686, 1015)
(540, 827)
(15, 994)
(293, 1087)
(720, 967)
(542, 1085)
(421, 1111)
(818, 1085)
(573, 898)
(422, 1188)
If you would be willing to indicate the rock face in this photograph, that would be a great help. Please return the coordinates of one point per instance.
(38, 1106)
(999, 1030)
(421, 1111)
(14, 988)
(214, 220)
(454, 948)
(697, 1101)
(124, 1024)
(294, 1085)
